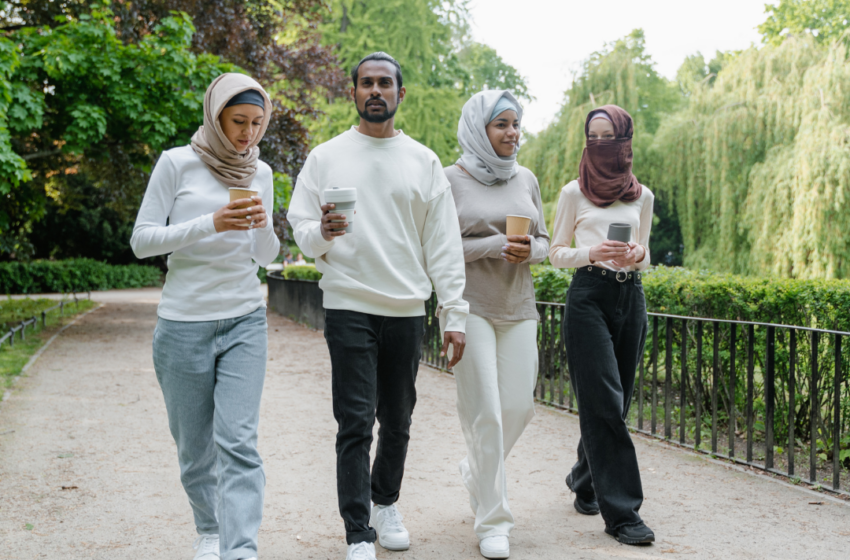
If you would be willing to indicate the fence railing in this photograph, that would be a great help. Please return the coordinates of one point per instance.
(773, 397)
(21, 328)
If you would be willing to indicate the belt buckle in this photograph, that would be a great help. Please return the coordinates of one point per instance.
(624, 278)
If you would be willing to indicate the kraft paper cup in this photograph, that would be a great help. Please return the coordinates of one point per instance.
(518, 225)
(344, 201)
(620, 232)
(237, 193)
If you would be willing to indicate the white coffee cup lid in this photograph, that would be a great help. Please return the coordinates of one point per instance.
(340, 195)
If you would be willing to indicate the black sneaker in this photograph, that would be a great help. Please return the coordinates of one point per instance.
(584, 507)
(632, 534)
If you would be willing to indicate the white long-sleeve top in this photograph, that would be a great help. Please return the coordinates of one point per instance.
(577, 217)
(405, 234)
(211, 275)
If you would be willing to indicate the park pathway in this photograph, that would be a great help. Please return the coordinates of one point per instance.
(88, 468)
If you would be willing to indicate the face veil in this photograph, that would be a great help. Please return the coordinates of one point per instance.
(605, 172)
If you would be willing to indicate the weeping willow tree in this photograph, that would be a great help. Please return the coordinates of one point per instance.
(758, 163)
(622, 74)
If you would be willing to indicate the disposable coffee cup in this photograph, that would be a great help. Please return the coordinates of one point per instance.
(344, 201)
(237, 193)
(518, 225)
(620, 232)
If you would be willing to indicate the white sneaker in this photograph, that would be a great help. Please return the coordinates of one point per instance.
(495, 547)
(391, 532)
(207, 547)
(361, 551)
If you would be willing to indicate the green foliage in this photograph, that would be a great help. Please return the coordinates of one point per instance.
(550, 283)
(301, 272)
(825, 20)
(758, 164)
(74, 275)
(282, 191)
(74, 99)
(441, 66)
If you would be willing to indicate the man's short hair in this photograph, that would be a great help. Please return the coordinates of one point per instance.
(377, 56)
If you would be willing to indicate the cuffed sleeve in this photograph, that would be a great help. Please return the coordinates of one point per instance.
(266, 246)
(305, 215)
(444, 258)
(151, 236)
(646, 213)
(562, 254)
(540, 238)
(490, 247)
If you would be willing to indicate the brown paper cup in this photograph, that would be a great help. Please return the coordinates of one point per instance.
(518, 225)
(237, 193)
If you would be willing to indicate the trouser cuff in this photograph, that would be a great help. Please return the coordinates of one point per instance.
(361, 536)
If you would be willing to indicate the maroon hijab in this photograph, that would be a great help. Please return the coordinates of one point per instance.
(605, 172)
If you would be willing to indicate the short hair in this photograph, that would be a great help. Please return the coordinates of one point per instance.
(377, 56)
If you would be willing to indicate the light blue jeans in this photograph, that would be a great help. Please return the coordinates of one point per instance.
(211, 374)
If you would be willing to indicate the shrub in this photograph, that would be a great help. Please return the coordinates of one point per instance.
(74, 275)
(301, 272)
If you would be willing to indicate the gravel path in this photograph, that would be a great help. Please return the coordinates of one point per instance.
(88, 468)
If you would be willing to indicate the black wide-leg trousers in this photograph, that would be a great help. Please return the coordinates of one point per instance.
(604, 331)
(374, 361)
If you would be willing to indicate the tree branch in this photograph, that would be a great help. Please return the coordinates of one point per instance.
(37, 155)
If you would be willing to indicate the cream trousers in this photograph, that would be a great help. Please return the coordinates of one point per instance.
(495, 402)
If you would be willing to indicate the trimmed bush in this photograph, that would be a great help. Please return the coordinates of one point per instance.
(74, 275)
(301, 272)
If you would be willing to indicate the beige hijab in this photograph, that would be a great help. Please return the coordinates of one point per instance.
(229, 166)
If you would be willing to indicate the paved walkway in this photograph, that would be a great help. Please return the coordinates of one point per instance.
(88, 468)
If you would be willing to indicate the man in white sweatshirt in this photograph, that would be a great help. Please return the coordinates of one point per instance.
(376, 280)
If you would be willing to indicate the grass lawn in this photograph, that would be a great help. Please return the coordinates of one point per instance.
(12, 312)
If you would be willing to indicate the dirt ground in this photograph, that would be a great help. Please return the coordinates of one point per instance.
(89, 470)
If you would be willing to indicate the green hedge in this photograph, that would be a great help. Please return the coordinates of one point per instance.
(680, 291)
(301, 272)
(74, 275)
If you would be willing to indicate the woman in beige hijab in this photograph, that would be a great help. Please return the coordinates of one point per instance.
(209, 345)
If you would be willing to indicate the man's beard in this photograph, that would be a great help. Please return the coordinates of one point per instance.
(381, 118)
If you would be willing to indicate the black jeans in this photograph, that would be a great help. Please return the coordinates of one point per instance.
(604, 331)
(374, 361)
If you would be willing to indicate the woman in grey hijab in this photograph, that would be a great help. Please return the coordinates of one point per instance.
(497, 375)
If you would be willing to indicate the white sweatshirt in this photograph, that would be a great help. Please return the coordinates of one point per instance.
(405, 236)
(578, 217)
(211, 275)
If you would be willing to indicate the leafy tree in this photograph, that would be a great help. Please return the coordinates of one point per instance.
(758, 164)
(275, 41)
(825, 20)
(80, 101)
(442, 67)
(622, 74)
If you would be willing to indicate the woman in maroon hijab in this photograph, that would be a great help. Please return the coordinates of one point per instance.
(604, 327)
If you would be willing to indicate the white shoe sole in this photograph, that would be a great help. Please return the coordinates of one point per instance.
(394, 546)
(495, 555)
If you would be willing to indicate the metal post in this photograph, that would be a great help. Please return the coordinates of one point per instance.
(698, 388)
(813, 412)
(770, 396)
(683, 381)
(654, 374)
(668, 378)
(732, 382)
(751, 341)
(792, 400)
(715, 382)
(836, 420)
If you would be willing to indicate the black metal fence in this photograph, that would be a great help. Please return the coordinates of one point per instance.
(21, 328)
(773, 397)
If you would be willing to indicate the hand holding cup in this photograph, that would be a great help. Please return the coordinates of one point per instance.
(333, 224)
(235, 216)
(517, 250)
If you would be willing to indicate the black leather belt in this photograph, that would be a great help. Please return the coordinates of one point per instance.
(621, 276)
